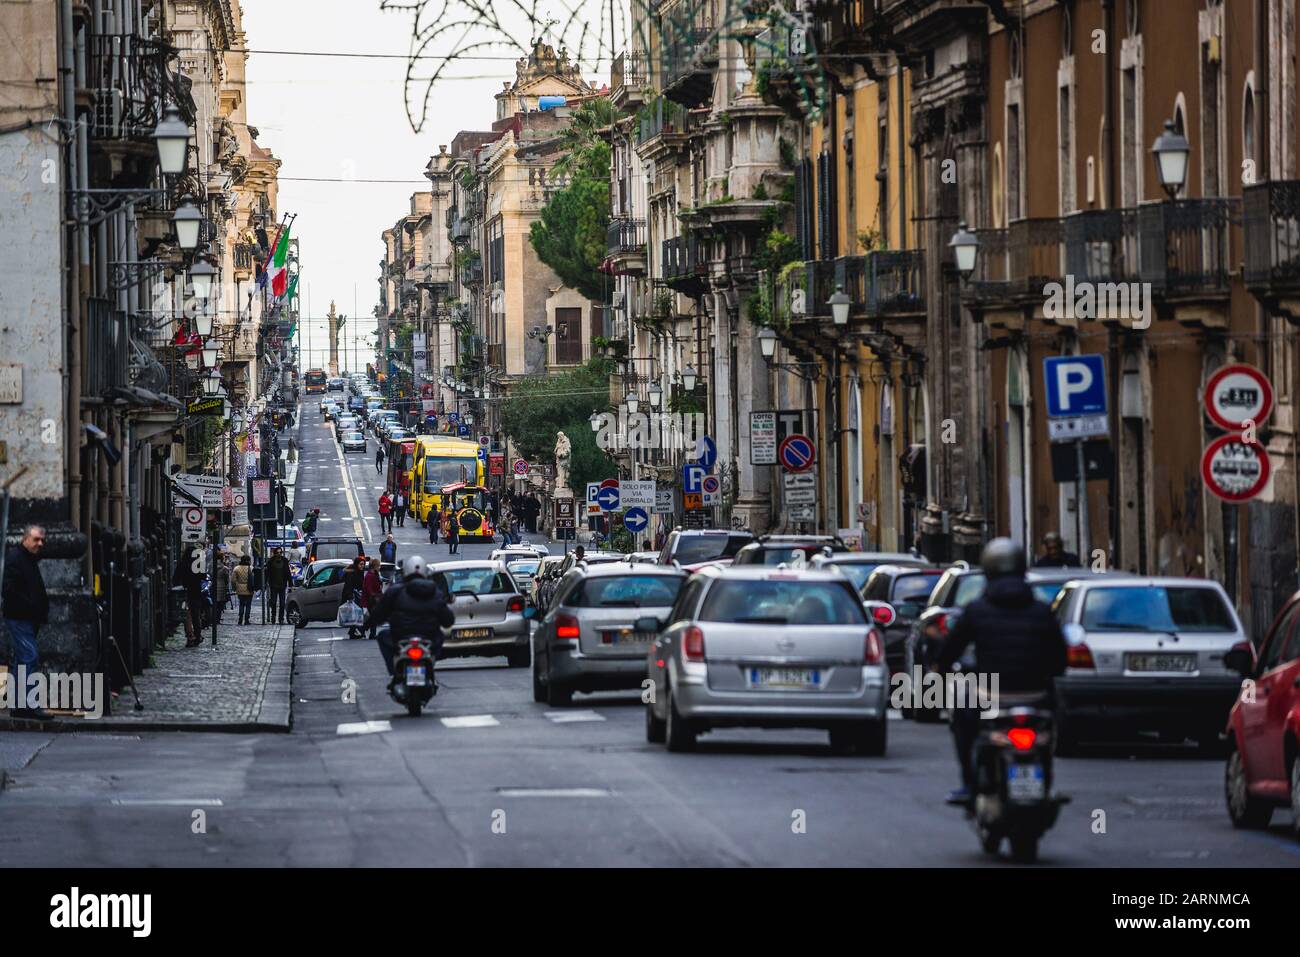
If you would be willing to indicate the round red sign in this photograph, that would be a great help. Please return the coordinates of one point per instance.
(1238, 394)
(1234, 470)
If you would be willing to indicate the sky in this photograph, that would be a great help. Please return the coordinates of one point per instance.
(343, 119)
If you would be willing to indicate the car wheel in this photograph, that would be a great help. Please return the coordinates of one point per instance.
(294, 616)
(558, 696)
(539, 689)
(679, 734)
(873, 737)
(517, 658)
(1246, 811)
(655, 728)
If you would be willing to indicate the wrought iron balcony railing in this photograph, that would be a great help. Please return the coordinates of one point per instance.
(1016, 262)
(630, 73)
(626, 235)
(1271, 213)
(662, 117)
(688, 51)
(130, 79)
(1183, 246)
(108, 351)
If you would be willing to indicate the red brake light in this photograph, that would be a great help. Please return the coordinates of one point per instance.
(415, 651)
(1022, 738)
(566, 626)
(941, 624)
(693, 644)
(874, 650)
(882, 615)
(1079, 656)
(515, 604)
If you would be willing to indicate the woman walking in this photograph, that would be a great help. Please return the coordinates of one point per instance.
(243, 582)
(220, 588)
(353, 583)
(372, 587)
(452, 530)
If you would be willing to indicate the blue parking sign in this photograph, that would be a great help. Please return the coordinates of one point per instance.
(692, 476)
(1076, 385)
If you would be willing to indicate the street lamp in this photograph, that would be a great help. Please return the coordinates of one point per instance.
(656, 395)
(172, 137)
(595, 421)
(211, 383)
(767, 342)
(633, 402)
(210, 354)
(201, 274)
(1171, 151)
(688, 378)
(964, 245)
(187, 219)
(203, 324)
(840, 303)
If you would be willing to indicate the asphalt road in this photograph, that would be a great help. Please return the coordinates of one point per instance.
(487, 777)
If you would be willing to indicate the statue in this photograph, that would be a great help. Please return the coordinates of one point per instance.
(563, 454)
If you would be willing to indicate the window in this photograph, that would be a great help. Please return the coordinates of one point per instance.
(1130, 148)
(1015, 206)
(911, 592)
(475, 581)
(568, 336)
(1065, 134)
(1156, 609)
(687, 599)
(779, 602)
(969, 587)
(630, 591)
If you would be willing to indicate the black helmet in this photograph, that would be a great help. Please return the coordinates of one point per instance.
(1002, 556)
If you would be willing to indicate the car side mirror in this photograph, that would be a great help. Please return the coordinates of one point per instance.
(1240, 660)
(882, 612)
(649, 624)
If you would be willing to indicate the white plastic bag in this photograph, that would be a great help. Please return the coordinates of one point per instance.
(350, 613)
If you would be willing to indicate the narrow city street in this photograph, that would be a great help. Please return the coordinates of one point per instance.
(487, 777)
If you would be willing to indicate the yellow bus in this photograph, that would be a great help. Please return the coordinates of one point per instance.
(442, 460)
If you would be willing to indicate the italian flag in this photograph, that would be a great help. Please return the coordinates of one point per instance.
(279, 271)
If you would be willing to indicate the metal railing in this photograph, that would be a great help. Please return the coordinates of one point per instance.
(108, 350)
(626, 235)
(1101, 245)
(663, 116)
(630, 70)
(1271, 214)
(895, 282)
(1183, 245)
(571, 352)
(1017, 261)
(129, 77)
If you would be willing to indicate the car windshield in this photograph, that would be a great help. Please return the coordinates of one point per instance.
(1156, 608)
(626, 591)
(476, 581)
(784, 554)
(354, 437)
(447, 471)
(1046, 592)
(969, 587)
(912, 592)
(692, 549)
(781, 602)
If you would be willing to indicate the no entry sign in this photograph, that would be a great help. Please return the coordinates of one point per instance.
(1233, 469)
(1236, 395)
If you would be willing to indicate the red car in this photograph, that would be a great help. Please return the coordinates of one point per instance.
(1263, 771)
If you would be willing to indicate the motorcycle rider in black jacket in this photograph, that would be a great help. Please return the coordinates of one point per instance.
(415, 606)
(1015, 636)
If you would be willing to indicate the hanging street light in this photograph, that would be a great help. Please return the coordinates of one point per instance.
(1171, 151)
(187, 219)
(964, 245)
(840, 303)
(688, 378)
(656, 396)
(767, 342)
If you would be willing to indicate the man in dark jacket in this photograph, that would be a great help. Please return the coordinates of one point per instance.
(388, 550)
(26, 608)
(417, 605)
(1054, 554)
(1016, 637)
(190, 577)
(278, 574)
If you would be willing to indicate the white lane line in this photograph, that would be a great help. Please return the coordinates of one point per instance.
(322, 654)
(364, 727)
(358, 517)
(568, 717)
(167, 802)
(471, 721)
(339, 638)
(894, 715)
(556, 792)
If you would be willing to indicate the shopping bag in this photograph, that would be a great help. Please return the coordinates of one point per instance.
(351, 614)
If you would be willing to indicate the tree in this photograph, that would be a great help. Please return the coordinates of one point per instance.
(541, 407)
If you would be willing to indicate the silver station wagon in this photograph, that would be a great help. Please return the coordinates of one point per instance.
(489, 609)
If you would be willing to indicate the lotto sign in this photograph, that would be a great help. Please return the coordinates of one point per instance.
(762, 438)
(797, 453)
(1237, 395)
(1234, 470)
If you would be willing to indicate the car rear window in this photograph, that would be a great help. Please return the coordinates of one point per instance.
(337, 550)
(782, 602)
(518, 567)
(858, 572)
(969, 587)
(692, 549)
(1156, 608)
(625, 591)
(784, 555)
(915, 589)
(476, 581)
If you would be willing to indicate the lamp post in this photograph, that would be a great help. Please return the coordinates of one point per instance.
(187, 219)
(656, 395)
(1171, 151)
(633, 402)
(767, 342)
(840, 303)
(201, 274)
(688, 378)
(964, 245)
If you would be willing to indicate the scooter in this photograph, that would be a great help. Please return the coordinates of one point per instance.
(413, 682)
(1013, 778)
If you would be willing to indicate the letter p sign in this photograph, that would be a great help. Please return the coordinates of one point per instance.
(1076, 385)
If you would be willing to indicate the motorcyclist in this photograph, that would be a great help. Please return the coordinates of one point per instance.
(416, 606)
(1016, 637)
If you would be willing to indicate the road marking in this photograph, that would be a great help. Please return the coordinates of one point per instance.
(168, 802)
(364, 727)
(353, 503)
(339, 638)
(556, 792)
(894, 715)
(323, 654)
(567, 717)
(471, 721)
(196, 676)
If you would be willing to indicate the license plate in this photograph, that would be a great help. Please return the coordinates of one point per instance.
(415, 674)
(623, 636)
(1025, 782)
(473, 633)
(1177, 663)
(784, 677)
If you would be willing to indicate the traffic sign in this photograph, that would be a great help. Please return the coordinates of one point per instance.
(520, 467)
(637, 495)
(710, 485)
(692, 476)
(797, 453)
(803, 513)
(706, 452)
(800, 488)
(1238, 394)
(485, 440)
(564, 513)
(635, 519)
(1077, 427)
(207, 488)
(607, 498)
(193, 521)
(693, 501)
(664, 501)
(1076, 385)
(1233, 469)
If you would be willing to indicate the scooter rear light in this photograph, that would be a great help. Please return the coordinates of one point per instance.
(415, 652)
(566, 627)
(1079, 656)
(873, 652)
(1022, 738)
(693, 644)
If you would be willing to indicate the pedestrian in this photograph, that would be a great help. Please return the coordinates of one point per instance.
(515, 536)
(399, 504)
(26, 608)
(220, 587)
(385, 512)
(1054, 554)
(293, 450)
(277, 583)
(388, 550)
(453, 534)
(372, 587)
(188, 576)
(309, 523)
(353, 583)
(242, 579)
(379, 459)
(435, 525)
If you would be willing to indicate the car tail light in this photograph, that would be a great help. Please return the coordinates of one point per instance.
(693, 644)
(1022, 738)
(566, 627)
(1079, 656)
(515, 604)
(940, 624)
(873, 652)
(415, 651)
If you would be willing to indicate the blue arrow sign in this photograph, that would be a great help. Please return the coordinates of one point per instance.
(1076, 385)
(635, 519)
(706, 452)
(607, 498)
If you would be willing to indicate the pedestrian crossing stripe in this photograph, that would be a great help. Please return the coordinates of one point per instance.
(364, 727)
(569, 717)
(471, 721)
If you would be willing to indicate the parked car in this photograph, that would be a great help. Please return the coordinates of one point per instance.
(1146, 654)
(341, 547)
(318, 596)
(895, 596)
(643, 557)
(489, 609)
(587, 640)
(547, 568)
(354, 442)
(767, 647)
(569, 561)
(344, 424)
(690, 547)
(522, 570)
(858, 566)
(788, 549)
(1263, 769)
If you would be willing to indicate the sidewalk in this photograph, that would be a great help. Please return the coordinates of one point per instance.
(242, 685)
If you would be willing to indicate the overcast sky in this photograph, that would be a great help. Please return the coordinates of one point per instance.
(344, 119)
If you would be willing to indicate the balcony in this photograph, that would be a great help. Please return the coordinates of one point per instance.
(1183, 247)
(107, 357)
(471, 272)
(1272, 220)
(627, 242)
(628, 78)
(1014, 264)
(688, 51)
(843, 32)
(570, 352)
(496, 355)
(685, 268)
(459, 231)
(131, 83)
(663, 119)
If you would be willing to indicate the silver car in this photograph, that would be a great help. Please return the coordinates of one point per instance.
(768, 647)
(1146, 653)
(588, 640)
(318, 596)
(354, 442)
(858, 566)
(489, 609)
